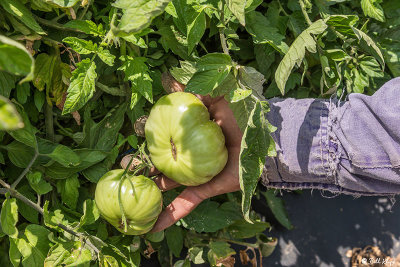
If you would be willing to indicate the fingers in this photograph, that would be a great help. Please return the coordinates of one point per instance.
(179, 208)
(164, 183)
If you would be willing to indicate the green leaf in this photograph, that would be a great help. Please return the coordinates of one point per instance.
(209, 216)
(68, 188)
(369, 45)
(110, 90)
(33, 245)
(343, 23)
(211, 70)
(196, 255)
(218, 251)
(88, 158)
(278, 208)
(174, 236)
(106, 56)
(9, 217)
(82, 86)
(243, 229)
(14, 58)
(87, 26)
(371, 67)
(9, 117)
(137, 72)
(155, 237)
(25, 135)
(7, 83)
(373, 9)
(38, 184)
(64, 3)
(24, 209)
(138, 14)
(90, 213)
(19, 154)
(23, 91)
(14, 254)
(239, 94)
(256, 145)
(263, 32)
(18, 10)
(44, 68)
(39, 98)
(185, 72)
(237, 8)
(83, 47)
(173, 40)
(296, 53)
(103, 135)
(182, 263)
(65, 156)
(58, 253)
(195, 30)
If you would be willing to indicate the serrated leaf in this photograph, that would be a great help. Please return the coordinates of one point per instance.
(18, 10)
(278, 208)
(173, 40)
(25, 135)
(15, 59)
(219, 251)
(373, 9)
(137, 72)
(106, 56)
(239, 94)
(9, 217)
(81, 46)
(371, 67)
(9, 117)
(87, 26)
(68, 188)
(211, 70)
(343, 23)
(7, 83)
(82, 86)
(138, 14)
(296, 53)
(44, 68)
(255, 147)
(237, 8)
(263, 32)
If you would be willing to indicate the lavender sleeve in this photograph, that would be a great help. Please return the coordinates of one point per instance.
(350, 147)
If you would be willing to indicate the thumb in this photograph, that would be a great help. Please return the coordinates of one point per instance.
(182, 205)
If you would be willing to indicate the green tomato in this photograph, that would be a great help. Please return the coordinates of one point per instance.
(142, 204)
(184, 143)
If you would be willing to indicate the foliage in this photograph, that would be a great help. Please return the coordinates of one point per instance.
(75, 75)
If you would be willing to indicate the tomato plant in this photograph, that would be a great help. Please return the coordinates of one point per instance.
(134, 201)
(184, 144)
(75, 75)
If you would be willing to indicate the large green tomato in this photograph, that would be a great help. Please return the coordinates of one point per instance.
(142, 204)
(184, 143)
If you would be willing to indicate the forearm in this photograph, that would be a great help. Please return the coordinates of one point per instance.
(350, 147)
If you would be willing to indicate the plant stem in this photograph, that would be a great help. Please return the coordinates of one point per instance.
(14, 193)
(22, 175)
(85, 10)
(303, 9)
(245, 244)
(48, 118)
(221, 32)
(55, 25)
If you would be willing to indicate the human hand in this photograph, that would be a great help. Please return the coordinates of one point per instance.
(226, 181)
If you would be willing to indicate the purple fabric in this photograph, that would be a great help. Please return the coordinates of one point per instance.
(348, 147)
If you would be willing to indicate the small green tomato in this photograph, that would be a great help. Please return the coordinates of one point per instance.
(142, 204)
